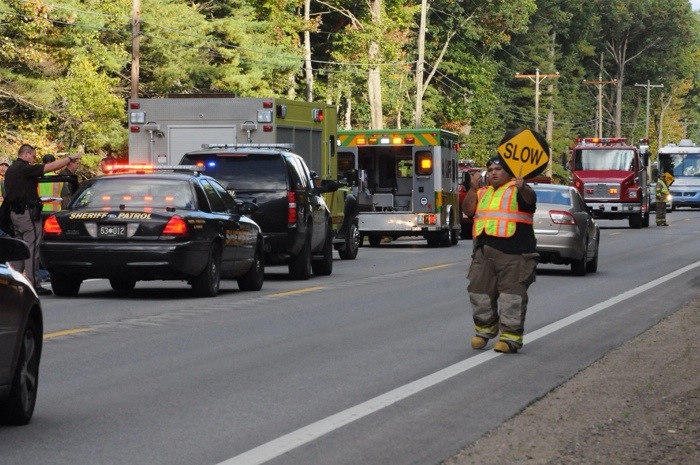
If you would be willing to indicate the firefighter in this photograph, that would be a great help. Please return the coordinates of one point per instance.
(504, 259)
(661, 198)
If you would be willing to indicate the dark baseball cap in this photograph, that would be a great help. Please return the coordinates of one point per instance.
(495, 160)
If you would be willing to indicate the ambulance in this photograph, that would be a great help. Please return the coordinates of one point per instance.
(407, 183)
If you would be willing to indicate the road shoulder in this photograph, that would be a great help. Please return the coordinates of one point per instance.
(639, 404)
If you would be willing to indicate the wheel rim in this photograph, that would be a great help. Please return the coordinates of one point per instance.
(28, 375)
(354, 238)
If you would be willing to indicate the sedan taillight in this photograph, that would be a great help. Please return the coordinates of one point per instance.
(561, 217)
(51, 227)
(176, 226)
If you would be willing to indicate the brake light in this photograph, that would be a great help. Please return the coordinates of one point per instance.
(51, 227)
(561, 217)
(292, 208)
(176, 226)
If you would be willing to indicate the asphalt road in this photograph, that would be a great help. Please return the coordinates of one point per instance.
(369, 365)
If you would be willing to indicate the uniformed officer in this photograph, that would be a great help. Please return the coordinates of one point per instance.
(22, 196)
(504, 259)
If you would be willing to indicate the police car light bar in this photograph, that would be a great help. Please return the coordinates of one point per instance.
(151, 168)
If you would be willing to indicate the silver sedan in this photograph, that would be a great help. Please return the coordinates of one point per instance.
(566, 232)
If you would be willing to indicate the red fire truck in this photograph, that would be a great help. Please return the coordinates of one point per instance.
(612, 176)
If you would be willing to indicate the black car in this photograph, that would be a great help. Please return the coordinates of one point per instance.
(292, 213)
(144, 223)
(21, 336)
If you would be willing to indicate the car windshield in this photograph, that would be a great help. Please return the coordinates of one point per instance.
(108, 193)
(557, 197)
(599, 160)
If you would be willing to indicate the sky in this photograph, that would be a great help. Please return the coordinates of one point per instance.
(695, 4)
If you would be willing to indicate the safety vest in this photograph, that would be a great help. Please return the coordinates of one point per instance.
(497, 211)
(50, 194)
(661, 188)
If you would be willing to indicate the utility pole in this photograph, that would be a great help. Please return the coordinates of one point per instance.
(420, 65)
(599, 116)
(648, 85)
(135, 33)
(537, 78)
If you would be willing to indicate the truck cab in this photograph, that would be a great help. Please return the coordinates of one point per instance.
(612, 177)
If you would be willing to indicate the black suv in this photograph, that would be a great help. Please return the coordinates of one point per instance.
(293, 216)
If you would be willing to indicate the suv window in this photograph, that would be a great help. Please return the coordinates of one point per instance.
(242, 172)
(299, 173)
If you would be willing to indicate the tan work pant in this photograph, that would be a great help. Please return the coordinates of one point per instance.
(31, 233)
(498, 284)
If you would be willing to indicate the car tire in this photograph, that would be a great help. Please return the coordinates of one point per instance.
(454, 236)
(592, 266)
(300, 266)
(18, 408)
(578, 267)
(324, 267)
(65, 285)
(208, 281)
(253, 279)
(122, 285)
(352, 244)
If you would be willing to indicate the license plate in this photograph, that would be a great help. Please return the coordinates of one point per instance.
(112, 230)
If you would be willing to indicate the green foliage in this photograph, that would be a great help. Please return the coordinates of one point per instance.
(66, 65)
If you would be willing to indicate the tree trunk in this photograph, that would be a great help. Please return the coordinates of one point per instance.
(374, 78)
(308, 71)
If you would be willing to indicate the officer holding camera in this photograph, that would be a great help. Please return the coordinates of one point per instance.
(22, 198)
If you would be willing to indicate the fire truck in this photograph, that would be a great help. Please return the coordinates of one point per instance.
(612, 176)
(162, 130)
(407, 183)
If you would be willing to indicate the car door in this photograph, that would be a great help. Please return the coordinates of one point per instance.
(223, 222)
(242, 236)
(317, 205)
(10, 316)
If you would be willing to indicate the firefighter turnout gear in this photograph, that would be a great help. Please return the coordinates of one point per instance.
(504, 259)
(661, 198)
(498, 284)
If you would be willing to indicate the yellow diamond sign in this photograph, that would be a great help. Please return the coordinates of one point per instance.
(525, 153)
(668, 178)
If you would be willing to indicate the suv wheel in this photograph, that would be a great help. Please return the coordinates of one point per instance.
(300, 266)
(324, 267)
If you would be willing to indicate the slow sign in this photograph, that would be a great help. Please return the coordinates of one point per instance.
(525, 153)
(668, 178)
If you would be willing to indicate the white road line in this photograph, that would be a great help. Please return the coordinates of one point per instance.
(298, 438)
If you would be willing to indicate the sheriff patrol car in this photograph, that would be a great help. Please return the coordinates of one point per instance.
(153, 223)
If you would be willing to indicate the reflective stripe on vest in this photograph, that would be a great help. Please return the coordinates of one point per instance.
(497, 211)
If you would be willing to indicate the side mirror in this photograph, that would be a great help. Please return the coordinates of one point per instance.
(13, 249)
(247, 208)
(327, 185)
